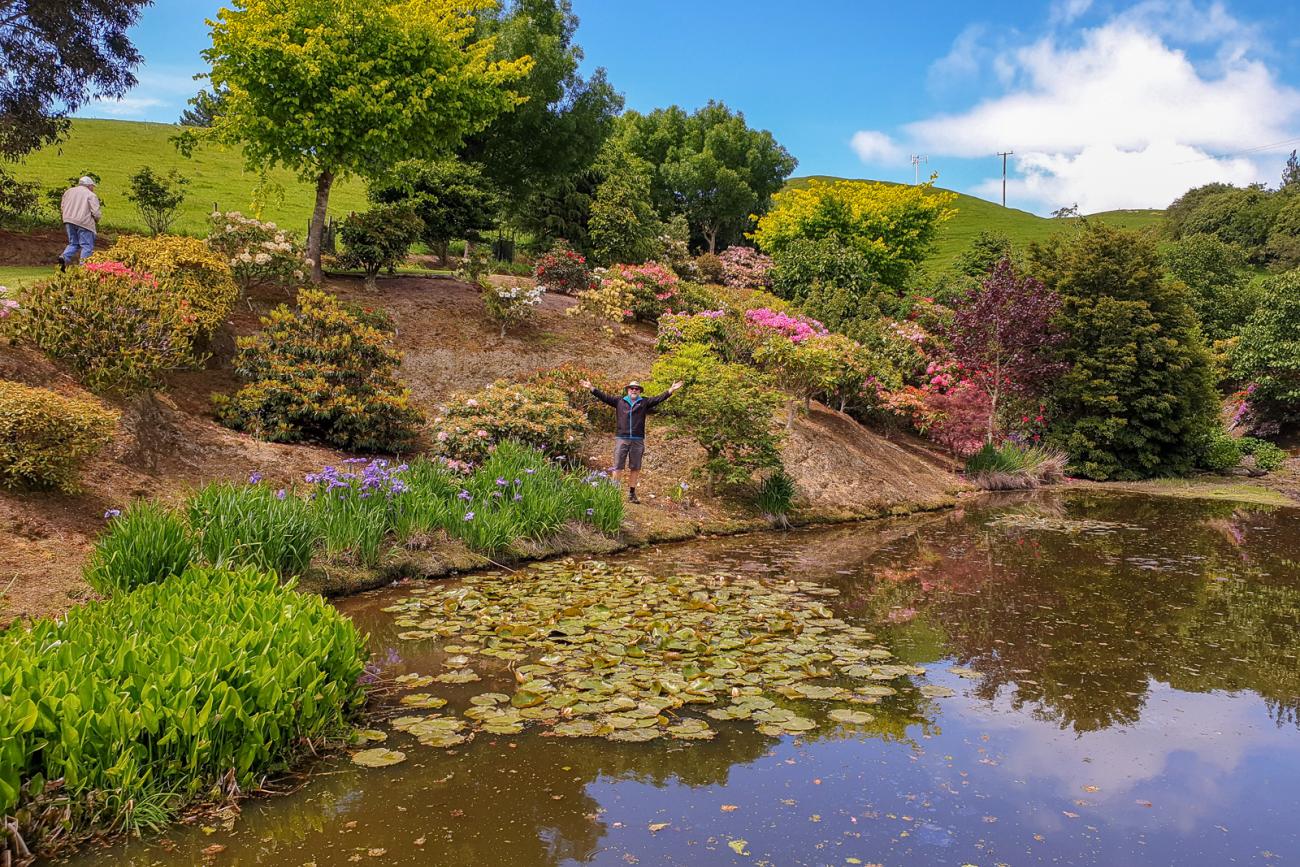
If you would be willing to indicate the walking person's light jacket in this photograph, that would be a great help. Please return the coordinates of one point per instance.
(80, 207)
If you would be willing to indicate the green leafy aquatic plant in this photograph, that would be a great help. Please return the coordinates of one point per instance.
(155, 698)
(145, 544)
(598, 650)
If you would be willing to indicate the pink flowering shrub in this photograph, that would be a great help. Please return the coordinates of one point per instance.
(539, 416)
(764, 322)
(745, 268)
(112, 326)
(563, 270)
(651, 289)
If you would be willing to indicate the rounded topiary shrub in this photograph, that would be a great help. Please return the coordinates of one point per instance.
(45, 437)
(185, 267)
(533, 415)
(324, 371)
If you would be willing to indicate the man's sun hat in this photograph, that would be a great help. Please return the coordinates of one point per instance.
(632, 384)
(86, 181)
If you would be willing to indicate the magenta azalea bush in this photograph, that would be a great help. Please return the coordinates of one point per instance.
(745, 268)
(765, 322)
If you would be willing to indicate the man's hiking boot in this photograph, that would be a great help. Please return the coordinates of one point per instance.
(63, 265)
(632, 497)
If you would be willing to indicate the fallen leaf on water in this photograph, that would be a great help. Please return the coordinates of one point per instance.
(1143, 803)
(658, 826)
(1091, 789)
(375, 853)
(1069, 815)
(738, 846)
(729, 808)
(214, 849)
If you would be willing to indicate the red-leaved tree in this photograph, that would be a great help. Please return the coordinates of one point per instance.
(1004, 336)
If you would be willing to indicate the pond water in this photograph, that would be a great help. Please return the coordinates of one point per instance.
(1126, 692)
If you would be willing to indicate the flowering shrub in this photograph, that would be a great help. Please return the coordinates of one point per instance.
(259, 254)
(116, 328)
(513, 305)
(324, 371)
(568, 378)
(45, 437)
(378, 239)
(651, 289)
(606, 302)
(563, 270)
(745, 268)
(764, 323)
(534, 415)
(7, 305)
(185, 267)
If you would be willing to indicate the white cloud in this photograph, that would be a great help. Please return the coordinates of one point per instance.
(1119, 115)
(963, 61)
(161, 94)
(876, 147)
(1066, 11)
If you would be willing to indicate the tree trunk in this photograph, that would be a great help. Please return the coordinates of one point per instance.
(317, 234)
(789, 413)
(712, 238)
(372, 280)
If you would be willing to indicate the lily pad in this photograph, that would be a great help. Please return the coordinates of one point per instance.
(852, 717)
(423, 700)
(934, 690)
(379, 757)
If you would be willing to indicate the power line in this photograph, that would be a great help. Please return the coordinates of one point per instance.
(1242, 153)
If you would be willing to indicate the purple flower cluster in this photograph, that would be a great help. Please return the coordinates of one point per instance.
(374, 477)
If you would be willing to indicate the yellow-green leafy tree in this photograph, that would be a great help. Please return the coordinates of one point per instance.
(332, 88)
(892, 225)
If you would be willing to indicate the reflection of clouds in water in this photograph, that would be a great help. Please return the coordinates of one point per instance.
(1182, 755)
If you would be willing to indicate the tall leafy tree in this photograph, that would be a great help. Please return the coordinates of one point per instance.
(451, 198)
(1291, 174)
(709, 166)
(55, 55)
(623, 225)
(1005, 335)
(331, 88)
(1139, 396)
(558, 131)
(1269, 352)
(203, 109)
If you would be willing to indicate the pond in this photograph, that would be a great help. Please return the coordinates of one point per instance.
(1108, 680)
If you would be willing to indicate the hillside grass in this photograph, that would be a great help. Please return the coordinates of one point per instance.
(117, 149)
(975, 215)
(17, 276)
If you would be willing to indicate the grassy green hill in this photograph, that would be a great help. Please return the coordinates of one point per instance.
(976, 215)
(116, 149)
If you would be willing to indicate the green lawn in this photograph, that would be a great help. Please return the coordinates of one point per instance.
(16, 276)
(976, 215)
(116, 149)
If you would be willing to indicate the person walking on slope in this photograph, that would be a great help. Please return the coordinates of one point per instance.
(80, 208)
(629, 428)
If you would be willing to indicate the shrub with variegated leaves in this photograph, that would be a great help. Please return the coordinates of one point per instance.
(535, 415)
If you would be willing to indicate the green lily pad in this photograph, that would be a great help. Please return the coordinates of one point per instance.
(934, 690)
(852, 717)
(379, 757)
(424, 700)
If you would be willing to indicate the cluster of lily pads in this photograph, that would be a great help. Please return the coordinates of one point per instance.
(1058, 525)
(612, 651)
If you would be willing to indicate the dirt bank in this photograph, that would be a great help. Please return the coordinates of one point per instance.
(842, 470)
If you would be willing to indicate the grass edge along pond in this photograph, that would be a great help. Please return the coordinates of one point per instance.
(167, 693)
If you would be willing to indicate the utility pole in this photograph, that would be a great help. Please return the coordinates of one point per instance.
(917, 159)
(1004, 155)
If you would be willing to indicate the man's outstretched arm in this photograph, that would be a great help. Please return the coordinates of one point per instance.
(598, 394)
(660, 398)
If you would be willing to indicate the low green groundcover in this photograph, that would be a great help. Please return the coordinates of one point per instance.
(134, 706)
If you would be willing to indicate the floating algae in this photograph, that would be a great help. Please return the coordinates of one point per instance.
(598, 650)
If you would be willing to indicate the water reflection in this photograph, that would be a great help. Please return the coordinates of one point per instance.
(1136, 703)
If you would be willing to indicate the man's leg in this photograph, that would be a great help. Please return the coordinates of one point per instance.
(636, 450)
(86, 241)
(620, 461)
(73, 243)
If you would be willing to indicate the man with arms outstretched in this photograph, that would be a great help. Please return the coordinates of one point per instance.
(629, 429)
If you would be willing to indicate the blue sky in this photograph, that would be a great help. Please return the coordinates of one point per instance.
(1107, 104)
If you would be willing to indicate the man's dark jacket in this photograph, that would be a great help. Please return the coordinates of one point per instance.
(630, 424)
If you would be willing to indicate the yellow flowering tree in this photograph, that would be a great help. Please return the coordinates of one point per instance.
(893, 226)
(331, 88)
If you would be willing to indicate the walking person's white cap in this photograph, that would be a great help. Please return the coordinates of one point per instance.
(86, 181)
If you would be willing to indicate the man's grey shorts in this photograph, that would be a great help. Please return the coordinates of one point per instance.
(628, 454)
